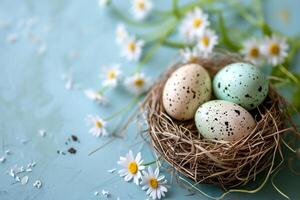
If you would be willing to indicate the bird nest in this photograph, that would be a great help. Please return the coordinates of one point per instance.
(227, 164)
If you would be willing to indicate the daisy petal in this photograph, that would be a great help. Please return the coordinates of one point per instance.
(138, 157)
(128, 177)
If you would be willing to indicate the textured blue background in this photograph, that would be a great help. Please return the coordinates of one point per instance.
(33, 97)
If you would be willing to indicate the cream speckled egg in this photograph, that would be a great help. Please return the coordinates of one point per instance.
(186, 89)
(223, 120)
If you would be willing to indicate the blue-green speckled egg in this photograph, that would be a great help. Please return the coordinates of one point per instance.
(241, 83)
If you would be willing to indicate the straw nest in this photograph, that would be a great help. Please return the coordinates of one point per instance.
(227, 164)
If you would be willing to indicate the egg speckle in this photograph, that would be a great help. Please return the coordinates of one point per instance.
(241, 83)
(187, 88)
(223, 120)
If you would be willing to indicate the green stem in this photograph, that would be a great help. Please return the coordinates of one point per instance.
(159, 32)
(265, 28)
(258, 8)
(295, 46)
(200, 3)
(149, 163)
(156, 45)
(147, 56)
(289, 74)
(103, 89)
(257, 21)
(176, 12)
(186, 8)
(162, 13)
(126, 108)
(225, 39)
(128, 20)
(173, 44)
(243, 12)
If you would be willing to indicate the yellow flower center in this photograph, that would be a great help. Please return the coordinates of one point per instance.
(141, 5)
(98, 124)
(153, 183)
(132, 167)
(131, 46)
(205, 40)
(139, 82)
(197, 23)
(254, 52)
(111, 74)
(274, 49)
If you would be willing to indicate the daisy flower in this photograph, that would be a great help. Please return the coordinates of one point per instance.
(98, 126)
(185, 33)
(275, 49)
(141, 8)
(194, 23)
(154, 184)
(112, 76)
(252, 51)
(95, 96)
(190, 55)
(121, 34)
(137, 84)
(207, 41)
(132, 49)
(132, 167)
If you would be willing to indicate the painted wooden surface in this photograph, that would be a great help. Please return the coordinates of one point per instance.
(80, 38)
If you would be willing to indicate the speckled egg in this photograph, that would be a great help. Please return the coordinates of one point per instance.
(186, 89)
(223, 120)
(241, 83)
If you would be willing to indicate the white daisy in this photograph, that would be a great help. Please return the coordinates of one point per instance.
(154, 184)
(95, 96)
(194, 23)
(207, 41)
(103, 3)
(141, 8)
(132, 49)
(185, 33)
(121, 34)
(190, 55)
(137, 84)
(275, 49)
(98, 126)
(252, 51)
(112, 75)
(132, 167)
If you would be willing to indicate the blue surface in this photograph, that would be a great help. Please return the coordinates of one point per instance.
(33, 97)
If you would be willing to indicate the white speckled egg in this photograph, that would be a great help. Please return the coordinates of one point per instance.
(223, 120)
(186, 89)
(241, 83)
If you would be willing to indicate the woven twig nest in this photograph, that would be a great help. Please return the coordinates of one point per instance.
(227, 164)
